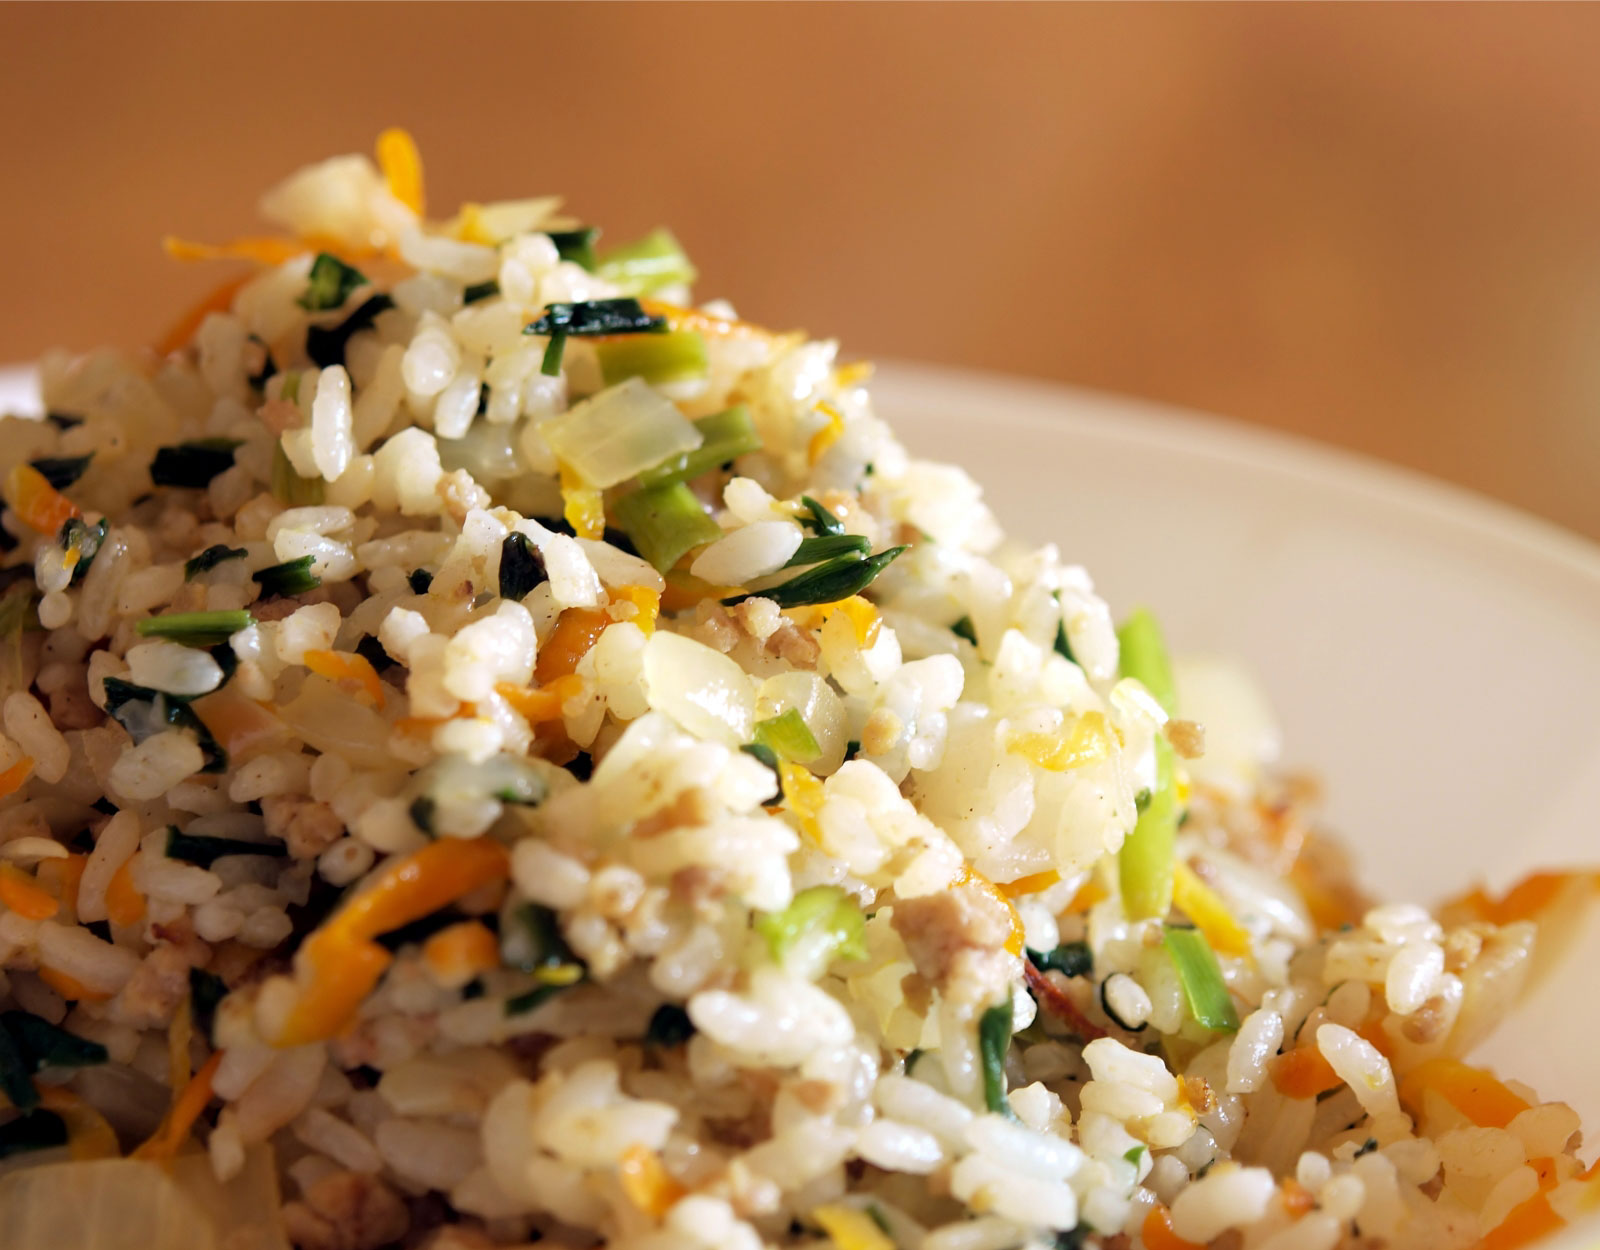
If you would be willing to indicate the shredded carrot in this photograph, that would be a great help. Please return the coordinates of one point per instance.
(70, 988)
(23, 895)
(38, 504)
(89, 1135)
(239, 724)
(1198, 901)
(1086, 742)
(828, 435)
(1033, 883)
(679, 318)
(648, 602)
(1544, 1168)
(1528, 1222)
(1157, 1232)
(1089, 893)
(124, 903)
(1303, 1072)
(1472, 1091)
(185, 1110)
(351, 672)
(1328, 910)
(648, 1185)
(262, 249)
(15, 777)
(401, 164)
(178, 1038)
(1015, 940)
(576, 631)
(1297, 1199)
(541, 704)
(61, 877)
(218, 300)
(456, 954)
(341, 964)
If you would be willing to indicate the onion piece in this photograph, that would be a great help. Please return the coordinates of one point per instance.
(619, 433)
(703, 690)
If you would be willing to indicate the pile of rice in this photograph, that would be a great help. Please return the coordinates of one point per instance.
(428, 894)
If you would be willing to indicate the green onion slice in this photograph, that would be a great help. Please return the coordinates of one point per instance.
(1145, 862)
(828, 547)
(196, 629)
(331, 283)
(62, 471)
(653, 262)
(194, 848)
(788, 736)
(665, 522)
(326, 345)
(826, 583)
(292, 577)
(209, 559)
(192, 464)
(821, 924)
(820, 519)
(1201, 978)
(657, 358)
(724, 436)
(288, 487)
(1144, 656)
(994, 1040)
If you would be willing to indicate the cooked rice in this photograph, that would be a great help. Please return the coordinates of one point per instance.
(517, 942)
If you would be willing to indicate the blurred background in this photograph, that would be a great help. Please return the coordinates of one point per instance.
(1375, 225)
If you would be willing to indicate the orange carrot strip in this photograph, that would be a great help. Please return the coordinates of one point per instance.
(401, 164)
(1157, 1232)
(61, 877)
(70, 988)
(351, 672)
(460, 952)
(124, 903)
(1089, 893)
(342, 974)
(1528, 1222)
(263, 250)
(648, 1185)
(646, 600)
(576, 631)
(219, 299)
(239, 724)
(1034, 883)
(971, 876)
(1297, 1199)
(185, 1110)
(15, 777)
(1472, 1091)
(40, 505)
(1303, 1073)
(541, 704)
(23, 895)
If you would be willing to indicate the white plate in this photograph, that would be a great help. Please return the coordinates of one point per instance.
(1432, 655)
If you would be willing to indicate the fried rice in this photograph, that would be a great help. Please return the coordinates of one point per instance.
(496, 753)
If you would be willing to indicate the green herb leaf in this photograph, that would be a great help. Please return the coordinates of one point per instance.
(657, 358)
(669, 1027)
(1072, 959)
(38, 1130)
(288, 487)
(421, 812)
(419, 580)
(332, 282)
(828, 547)
(821, 924)
(576, 245)
(826, 583)
(724, 435)
(292, 577)
(520, 1004)
(530, 940)
(209, 559)
(820, 520)
(1133, 1154)
(1201, 978)
(1144, 656)
(371, 650)
(651, 263)
(194, 848)
(665, 522)
(206, 990)
(84, 538)
(789, 737)
(589, 318)
(327, 346)
(144, 712)
(994, 1040)
(62, 471)
(963, 629)
(196, 629)
(45, 1045)
(480, 291)
(192, 464)
(521, 566)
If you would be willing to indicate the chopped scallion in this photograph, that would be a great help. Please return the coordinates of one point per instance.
(820, 519)
(576, 245)
(826, 583)
(326, 345)
(331, 283)
(725, 436)
(192, 464)
(789, 737)
(144, 712)
(994, 1040)
(665, 522)
(205, 851)
(45, 1045)
(589, 318)
(1072, 959)
(85, 539)
(964, 629)
(206, 990)
(821, 924)
(62, 471)
(288, 487)
(657, 358)
(1145, 862)
(209, 559)
(1144, 656)
(196, 629)
(828, 547)
(292, 577)
(419, 580)
(670, 1026)
(480, 291)
(1201, 978)
(521, 566)
(653, 262)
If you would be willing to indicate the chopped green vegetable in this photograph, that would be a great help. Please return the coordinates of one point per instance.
(725, 436)
(876, 1215)
(576, 245)
(1072, 959)
(521, 566)
(206, 990)
(288, 487)
(332, 282)
(16, 1074)
(144, 712)
(419, 580)
(911, 1058)
(1144, 656)
(531, 941)
(657, 358)
(1112, 1013)
(62, 471)
(1133, 1154)
(480, 291)
(653, 262)
(994, 1040)
(589, 318)
(195, 848)
(209, 559)
(292, 577)
(326, 346)
(665, 522)
(828, 547)
(194, 463)
(1145, 862)
(1201, 977)
(45, 1045)
(820, 520)
(421, 812)
(77, 535)
(670, 1026)
(964, 629)
(788, 737)
(826, 583)
(371, 650)
(196, 629)
(38, 1130)
(821, 924)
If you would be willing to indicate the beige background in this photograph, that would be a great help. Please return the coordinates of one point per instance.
(1378, 225)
